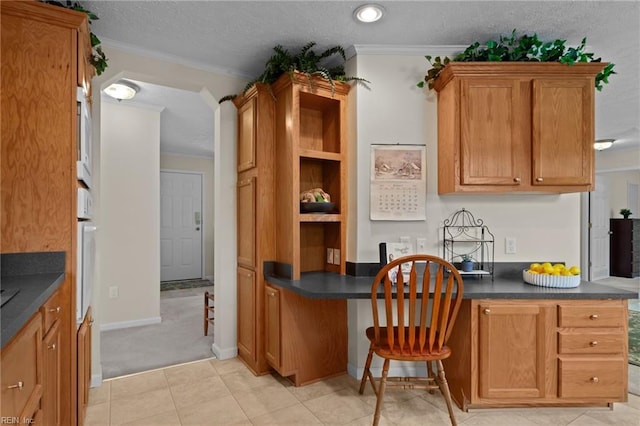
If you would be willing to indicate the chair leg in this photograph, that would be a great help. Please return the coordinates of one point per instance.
(206, 322)
(365, 374)
(444, 388)
(431, 375)
(381, 388)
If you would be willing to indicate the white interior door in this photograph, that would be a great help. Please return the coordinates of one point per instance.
(599, 213)
(180, 225)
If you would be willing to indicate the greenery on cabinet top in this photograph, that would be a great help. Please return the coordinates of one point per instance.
(305, 61)
(98, 58)
(525, 48)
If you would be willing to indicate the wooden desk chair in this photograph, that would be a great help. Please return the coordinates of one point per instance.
(208, 311)
(419, 328)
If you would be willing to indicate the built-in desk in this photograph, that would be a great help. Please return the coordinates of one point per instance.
(514, 344)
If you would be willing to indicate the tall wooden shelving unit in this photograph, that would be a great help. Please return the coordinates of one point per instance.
(291, 138)
(310, 153)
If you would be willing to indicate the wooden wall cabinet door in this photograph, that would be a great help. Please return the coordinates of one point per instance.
(562, 132)
(514, 342)
(493, 132)
(52, 374)
(247, 313)
(247, 135)
(247, 222)
(272, 328)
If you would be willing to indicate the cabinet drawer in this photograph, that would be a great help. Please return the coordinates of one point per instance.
(596, 315)
(51, 310)
(597, 377)
(596, 341)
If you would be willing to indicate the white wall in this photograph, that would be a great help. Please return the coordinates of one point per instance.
(205, 166)
(394, 110)
(618, 198)
(130, 226)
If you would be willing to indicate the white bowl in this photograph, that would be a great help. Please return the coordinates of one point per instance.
(555, 281)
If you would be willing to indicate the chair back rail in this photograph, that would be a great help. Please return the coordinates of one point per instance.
(415, 334)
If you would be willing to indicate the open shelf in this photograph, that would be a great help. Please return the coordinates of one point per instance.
(462, 235)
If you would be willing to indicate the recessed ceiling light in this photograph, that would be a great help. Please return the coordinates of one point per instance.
(601, 144)
(122, 89)
(368, 13)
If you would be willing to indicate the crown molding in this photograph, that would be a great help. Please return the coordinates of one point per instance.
(421, 50)
(137, 50)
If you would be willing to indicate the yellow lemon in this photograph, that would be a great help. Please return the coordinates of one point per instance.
(534, 266)
(574, 270)
(532, 271)
(545, 264)
(547, 268)
(566, 273)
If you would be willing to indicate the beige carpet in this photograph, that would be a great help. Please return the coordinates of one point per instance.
(178, 338)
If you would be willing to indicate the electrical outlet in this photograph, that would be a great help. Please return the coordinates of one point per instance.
(336, 256)
(113, 292)
(510, 245)
(330, 256)
(405, 240)
(421, 245)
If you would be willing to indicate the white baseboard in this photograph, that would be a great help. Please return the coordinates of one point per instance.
(224, 353)
(397, 371)
(129, 324)
(96, 378)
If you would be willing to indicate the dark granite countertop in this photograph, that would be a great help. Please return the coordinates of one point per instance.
(37, 276)
(507, 284)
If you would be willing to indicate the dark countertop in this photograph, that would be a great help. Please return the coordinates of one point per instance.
(507, 284)
(37, 276)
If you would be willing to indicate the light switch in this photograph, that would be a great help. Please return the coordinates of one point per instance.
(510, 245)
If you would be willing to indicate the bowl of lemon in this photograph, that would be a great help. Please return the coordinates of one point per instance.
(555, 275)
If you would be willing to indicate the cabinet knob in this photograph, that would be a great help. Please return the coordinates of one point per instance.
(516, 180)
(52, 347)
(20, 385)
(594, 380)
(487, 311)
(56, 310)
(593, 316)
(539, 179)
(594, 343)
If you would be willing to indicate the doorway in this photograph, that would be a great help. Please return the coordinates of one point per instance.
(181, 226)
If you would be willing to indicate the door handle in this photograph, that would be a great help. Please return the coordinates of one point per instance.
(197, 228)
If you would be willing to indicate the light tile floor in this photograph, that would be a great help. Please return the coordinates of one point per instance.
(214, 392)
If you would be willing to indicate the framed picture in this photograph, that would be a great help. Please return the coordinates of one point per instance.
(398, 182)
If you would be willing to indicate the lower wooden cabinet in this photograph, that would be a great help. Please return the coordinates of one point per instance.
(52, 375)
(84, 365)
(306, 339)
(509, 353)
(247, 315)
(21, 365)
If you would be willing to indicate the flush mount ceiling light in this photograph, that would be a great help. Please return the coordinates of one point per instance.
(122, 89)
(601, 144)
(368, 13)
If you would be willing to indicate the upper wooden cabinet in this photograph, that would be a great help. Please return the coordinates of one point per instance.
(506, 127)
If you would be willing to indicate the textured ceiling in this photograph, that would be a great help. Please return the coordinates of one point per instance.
(237, 37)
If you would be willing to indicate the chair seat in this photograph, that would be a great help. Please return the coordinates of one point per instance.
(404, 354)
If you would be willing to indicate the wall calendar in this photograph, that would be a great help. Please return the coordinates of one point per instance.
(398, 182)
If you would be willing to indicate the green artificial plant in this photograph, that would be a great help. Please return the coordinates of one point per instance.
(305, 61)
(625, 213)
(525, 48)
(98, 58)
